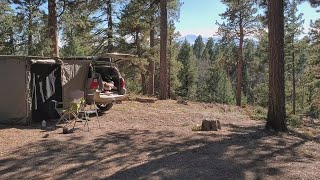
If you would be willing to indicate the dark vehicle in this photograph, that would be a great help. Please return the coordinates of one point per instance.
(105, 83)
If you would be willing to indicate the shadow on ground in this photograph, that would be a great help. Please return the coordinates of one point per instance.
(142, 154)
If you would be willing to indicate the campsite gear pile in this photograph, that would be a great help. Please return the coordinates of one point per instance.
(33, 83)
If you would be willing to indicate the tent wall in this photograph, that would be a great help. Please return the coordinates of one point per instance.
(74, 76)
(13, 91)
(15, 84)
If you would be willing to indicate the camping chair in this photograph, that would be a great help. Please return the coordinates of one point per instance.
(71, 108)
(86, 111)
(65, 111)
(79, 106)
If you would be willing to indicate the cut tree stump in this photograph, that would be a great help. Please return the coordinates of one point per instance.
(210, 125)
(146, 100)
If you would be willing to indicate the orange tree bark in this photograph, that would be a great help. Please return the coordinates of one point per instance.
(163, 51)
(151, 63)
(240, 64)
(110, 26)
(53, 30)
(276, 111)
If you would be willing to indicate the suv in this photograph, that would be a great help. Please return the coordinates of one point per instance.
(103, 72)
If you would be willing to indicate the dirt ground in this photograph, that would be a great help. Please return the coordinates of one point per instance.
(155, 141)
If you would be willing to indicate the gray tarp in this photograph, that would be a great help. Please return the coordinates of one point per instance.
(15, 93)
(74, 76)
(13, 87)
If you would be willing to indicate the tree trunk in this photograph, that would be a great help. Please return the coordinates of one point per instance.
(53, 29)
(144, 83)
(151, 63)
(276, 111)
(169, 66)
(110, 26)
(30, 29)
(139, 53)
(240, 65)
(11, 42)
(293, 83)
(163, 51)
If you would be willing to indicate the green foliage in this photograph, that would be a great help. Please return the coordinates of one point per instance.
(259, 113)
(208, 52)
(198, 47)
(7, 28)
(77, 27)
(188, 73)
(203, 72)
(175, 68)
(239, 14)
(24, 27)
(257, 68)
(294, 120)
(218, 87)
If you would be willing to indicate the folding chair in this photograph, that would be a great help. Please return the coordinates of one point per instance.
(87, 110)
(72, 108)
(65, 111)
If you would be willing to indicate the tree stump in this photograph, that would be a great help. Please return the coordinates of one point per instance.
(210, 125)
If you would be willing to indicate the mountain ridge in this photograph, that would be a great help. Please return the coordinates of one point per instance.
(191, 38)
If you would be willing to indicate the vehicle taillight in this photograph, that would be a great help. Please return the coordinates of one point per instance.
(94, 84)
(122, 83)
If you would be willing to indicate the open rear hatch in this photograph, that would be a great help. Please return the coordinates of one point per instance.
(109, 59)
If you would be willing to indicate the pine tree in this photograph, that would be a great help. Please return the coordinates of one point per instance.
(241, 21)
(188, 72)
(293, 29)
(77, 27)
(7, 22)
(53, 27)
(203, 64)
(276, 112)
(314, 68)
(219, 87)
(28, 17)
(163, 94)
(260, 70)
(198, 47)
(250, 77)
(209, 49)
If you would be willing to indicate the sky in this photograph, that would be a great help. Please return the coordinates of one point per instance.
(198, 17)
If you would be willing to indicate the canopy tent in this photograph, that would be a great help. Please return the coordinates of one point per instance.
(29, 84)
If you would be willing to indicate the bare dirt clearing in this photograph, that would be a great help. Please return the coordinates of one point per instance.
(155, 141)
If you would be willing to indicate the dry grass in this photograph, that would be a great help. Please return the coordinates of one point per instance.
(156, 141)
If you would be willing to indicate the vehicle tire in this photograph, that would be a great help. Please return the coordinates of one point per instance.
(105, 107)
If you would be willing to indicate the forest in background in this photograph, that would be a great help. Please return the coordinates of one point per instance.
(231, 70)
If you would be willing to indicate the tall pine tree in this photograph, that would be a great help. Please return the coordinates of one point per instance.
(240, 21)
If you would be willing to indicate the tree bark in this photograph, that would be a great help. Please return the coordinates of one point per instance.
(276, 110)
(139, 53)
(240, 64)
(53, 29)
(293, 81)
(144, 83)
(169, 66)
(110, 26)
(30, 29)
(151, 63)
(163, 51)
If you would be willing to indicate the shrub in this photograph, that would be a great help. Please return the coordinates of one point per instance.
(294, 120)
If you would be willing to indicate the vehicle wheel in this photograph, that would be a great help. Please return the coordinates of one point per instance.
(105, 107)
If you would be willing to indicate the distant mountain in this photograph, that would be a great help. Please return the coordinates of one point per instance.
(191, 38)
